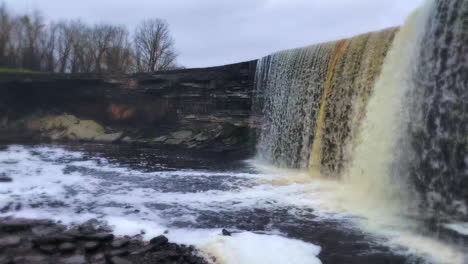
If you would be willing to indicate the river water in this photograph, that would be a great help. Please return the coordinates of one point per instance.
(192, 196)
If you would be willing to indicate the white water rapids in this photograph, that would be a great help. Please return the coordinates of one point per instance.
(192, 205)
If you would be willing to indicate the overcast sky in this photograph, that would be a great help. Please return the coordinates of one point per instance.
(215, 32)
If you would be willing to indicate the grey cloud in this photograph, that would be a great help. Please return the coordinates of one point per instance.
(213, 32)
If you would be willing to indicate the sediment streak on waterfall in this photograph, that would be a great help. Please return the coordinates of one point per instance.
(352, 77)
(316, 155)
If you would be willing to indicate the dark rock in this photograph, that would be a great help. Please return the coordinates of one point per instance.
(53, 239)
(180, 100)
(4, 259)
(144, 250)
(118, 252)
(30, 259)
(77, 259)
(118, 243)
(97, 237)
(117, 260)
(89, 227)
(166, 255)
(42, 231)
(10, 241)
(67, 247)
(18, 207)
(99, 257)
(5, 179)
(226, 233)
(14, 225)
(159, 241)
(91, 246)
(48, 249)
(6, 208)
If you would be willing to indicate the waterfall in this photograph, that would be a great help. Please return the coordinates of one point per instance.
(290, 114)
(385, 112)
(374, 171)
(312, 98)
(437, 131)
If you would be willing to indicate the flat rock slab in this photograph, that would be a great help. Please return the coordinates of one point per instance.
(77, 259)
(5, 179)
(10, 241)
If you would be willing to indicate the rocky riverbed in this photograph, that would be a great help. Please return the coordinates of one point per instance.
(25, 241)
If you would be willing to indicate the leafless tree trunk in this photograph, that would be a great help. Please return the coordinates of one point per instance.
(31, 29)
(102, 36)
(6, 26)
(118, 57)
(65, 39)
(154, 46)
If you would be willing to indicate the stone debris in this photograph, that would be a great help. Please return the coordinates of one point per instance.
(40, 242)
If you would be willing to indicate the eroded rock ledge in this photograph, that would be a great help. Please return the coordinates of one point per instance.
(25, 241)
(205, 108)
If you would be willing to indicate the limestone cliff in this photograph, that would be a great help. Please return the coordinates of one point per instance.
(196, 108)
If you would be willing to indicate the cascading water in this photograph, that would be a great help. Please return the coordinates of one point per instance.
(313, 98)
(376, 169)
(438, 131)
(291, 114)
(384, 112)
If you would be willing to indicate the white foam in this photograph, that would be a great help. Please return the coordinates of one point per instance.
(39, 177)
(39, 180)
(250, 248)
(459, 227)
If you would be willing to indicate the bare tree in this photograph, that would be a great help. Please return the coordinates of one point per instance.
(102, 37)
(65, 40)
(30, 31)
(48, 49)
(28, 42)
(83, 55)
(118, 57)
(6, 27)
(154, 46)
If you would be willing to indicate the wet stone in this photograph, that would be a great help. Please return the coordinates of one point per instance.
(30, 259)
(48, 249)
(226, 233)
(90, 227)
(10, 241)
(91, 246)
(13, 225)
(56, 239)
(98, 258)
(4, 259)
(117, 260)
(118, 243)
(4, 178)
(118, 252)
(42, 231)
(67, 247)
(98, 237)
(144, 250)
(77, 259)
(159, 241)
